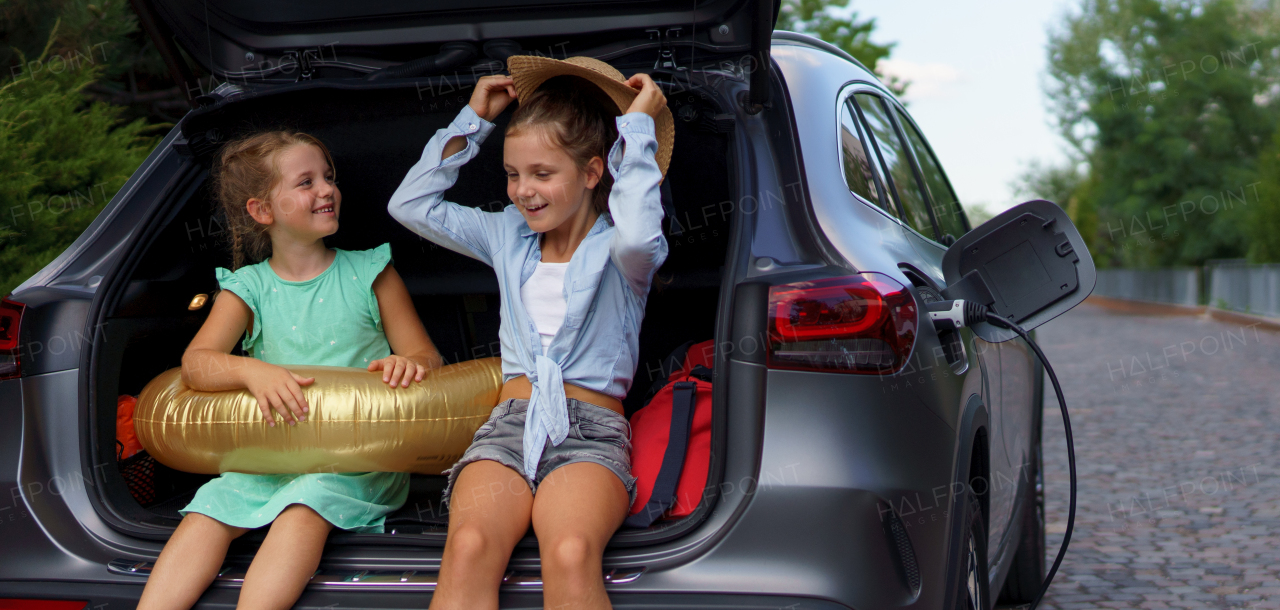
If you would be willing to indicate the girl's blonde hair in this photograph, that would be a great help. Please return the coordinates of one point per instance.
(246, 169)
(576, 121)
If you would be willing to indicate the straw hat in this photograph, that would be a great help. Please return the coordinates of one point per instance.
(530, 71)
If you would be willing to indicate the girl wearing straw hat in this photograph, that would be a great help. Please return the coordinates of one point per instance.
(575, 253)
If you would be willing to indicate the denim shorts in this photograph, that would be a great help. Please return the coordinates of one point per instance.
(596, 434)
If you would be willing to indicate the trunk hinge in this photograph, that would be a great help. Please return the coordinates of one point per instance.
(302, 58)
(666, 50)
(762, 21)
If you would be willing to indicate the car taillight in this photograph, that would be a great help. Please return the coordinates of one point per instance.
(10, 320)
(863, 323)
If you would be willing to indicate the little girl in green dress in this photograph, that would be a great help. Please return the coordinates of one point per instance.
(306, 304)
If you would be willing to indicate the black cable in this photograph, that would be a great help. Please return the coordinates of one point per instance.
(1071, 451)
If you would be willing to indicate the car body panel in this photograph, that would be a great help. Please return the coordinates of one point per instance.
(59, 541)
(830, 456)
(870, 239)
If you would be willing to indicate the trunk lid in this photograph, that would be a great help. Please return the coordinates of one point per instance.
(254, 42)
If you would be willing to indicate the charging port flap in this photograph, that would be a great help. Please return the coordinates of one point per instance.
(1029, 264)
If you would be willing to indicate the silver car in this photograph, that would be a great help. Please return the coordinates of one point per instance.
(861, 457)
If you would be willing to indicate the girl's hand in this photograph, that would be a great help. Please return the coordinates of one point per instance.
(278, 388)
(651, 101)
(398, 369)
(492, 95)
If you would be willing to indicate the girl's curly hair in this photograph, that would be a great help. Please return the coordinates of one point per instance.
(246, 169)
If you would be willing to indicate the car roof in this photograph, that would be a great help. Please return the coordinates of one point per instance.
(806, 40)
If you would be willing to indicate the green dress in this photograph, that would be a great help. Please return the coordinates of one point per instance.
(333, 320)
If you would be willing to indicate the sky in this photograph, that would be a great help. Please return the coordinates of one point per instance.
(977, 72)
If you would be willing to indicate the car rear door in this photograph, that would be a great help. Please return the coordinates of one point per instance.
(913, 186)
(1013, 358)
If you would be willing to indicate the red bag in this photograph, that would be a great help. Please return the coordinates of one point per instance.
(679, 477)
(126, 439)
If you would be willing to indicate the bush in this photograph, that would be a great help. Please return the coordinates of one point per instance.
(62, 158)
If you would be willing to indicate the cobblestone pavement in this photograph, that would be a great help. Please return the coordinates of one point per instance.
(1177, 430)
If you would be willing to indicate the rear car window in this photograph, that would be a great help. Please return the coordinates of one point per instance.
(946, 209)
(859, 169)
(898, 165)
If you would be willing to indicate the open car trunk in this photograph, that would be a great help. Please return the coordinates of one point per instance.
(375, 135)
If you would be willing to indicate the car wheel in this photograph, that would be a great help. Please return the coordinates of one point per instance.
(973, 586)
(1026, 575)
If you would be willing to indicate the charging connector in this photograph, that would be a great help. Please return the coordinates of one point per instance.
(958, 313)
(950, 315)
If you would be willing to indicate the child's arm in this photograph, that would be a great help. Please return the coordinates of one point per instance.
(638, 247)
(415, 354)
(208, 366)
(419, 201)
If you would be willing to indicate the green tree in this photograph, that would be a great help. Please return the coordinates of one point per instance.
(1067, 186)
(978, 212)
(1056, 183)
(1169, 103)
(1263, 226)
(62, 157)
(99, 32)
(816, 18)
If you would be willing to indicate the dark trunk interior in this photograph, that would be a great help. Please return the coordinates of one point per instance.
(375, 136)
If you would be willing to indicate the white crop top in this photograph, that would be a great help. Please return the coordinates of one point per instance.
(543, 297)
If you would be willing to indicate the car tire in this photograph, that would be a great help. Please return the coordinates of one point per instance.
(1026, 574)
(973, 589)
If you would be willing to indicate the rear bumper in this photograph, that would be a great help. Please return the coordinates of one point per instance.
(119, 597)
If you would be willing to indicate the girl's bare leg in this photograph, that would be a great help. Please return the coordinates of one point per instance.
(578, 508)
(189, 562)
(489, 512)
(286, 560)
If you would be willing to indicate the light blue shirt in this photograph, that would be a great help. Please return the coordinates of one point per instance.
(606, 284)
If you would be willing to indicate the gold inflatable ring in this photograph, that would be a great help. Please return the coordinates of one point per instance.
(356, 423)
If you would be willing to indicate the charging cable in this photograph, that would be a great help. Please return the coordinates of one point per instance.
(955, 314)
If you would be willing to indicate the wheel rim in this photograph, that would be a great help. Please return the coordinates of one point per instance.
(973, 583)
